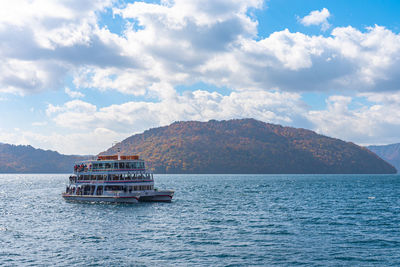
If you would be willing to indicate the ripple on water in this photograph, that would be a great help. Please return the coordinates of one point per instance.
(214, 220)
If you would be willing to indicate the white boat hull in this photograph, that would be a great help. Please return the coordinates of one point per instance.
(111, 199)
(144, 196)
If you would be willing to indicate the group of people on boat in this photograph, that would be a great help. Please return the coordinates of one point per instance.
(71, 190)
(80, 168)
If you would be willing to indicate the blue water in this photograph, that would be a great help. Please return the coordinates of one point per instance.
(214, 220)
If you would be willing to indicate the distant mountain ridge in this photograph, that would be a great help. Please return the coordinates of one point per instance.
(26, 159)
(390, 153)
(247, 146)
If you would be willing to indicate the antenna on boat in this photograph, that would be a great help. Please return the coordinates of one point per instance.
(118, 149)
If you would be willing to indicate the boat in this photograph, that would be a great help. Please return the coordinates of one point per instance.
(116, 179)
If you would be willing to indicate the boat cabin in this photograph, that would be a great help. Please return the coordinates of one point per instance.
(111, 163)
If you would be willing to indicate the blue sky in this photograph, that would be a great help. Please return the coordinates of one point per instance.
(78, 75)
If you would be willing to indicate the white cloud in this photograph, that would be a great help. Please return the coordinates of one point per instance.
(75, 114)
(43, 40)
(317, 18)
(279, 107)
(187, 42)
(344, 118)
(133, 117)
(73, 94)
(168, 44)
(83, 143)
(39, 123)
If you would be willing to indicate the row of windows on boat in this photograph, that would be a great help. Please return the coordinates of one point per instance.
(112, 177)
(91, 189)
(109, 165)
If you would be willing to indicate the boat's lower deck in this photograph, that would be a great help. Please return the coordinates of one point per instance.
(144, 196)
(90, 198)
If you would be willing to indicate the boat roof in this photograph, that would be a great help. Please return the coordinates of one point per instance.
(118, 157)
(112, 158)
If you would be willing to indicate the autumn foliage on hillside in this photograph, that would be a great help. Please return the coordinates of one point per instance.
(247, 146)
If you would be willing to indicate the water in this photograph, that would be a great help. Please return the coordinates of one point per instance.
(214, 220)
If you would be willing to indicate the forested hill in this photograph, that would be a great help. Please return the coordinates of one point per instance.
(26, 159)
(247, 146)
(390, 153)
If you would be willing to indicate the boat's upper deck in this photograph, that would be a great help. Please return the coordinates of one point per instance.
(112, 163)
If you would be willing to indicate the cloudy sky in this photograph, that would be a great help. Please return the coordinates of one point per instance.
(77, 75)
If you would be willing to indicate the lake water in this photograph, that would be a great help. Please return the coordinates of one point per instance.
(214, 220)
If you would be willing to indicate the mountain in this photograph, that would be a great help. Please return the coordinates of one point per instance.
(26, 159)
(247, 146)
(390, 153)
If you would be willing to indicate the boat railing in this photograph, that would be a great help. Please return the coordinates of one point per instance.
(110, 170)
(115, 179)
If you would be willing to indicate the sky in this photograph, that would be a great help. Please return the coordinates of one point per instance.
(78, 75)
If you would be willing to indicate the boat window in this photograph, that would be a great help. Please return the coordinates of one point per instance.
(99, 190)
(107, 165)
(122, 165)
(127, 165)
(113, 188)
(115, 165)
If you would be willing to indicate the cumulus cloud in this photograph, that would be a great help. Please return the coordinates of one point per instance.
(73, 94)
(345, 117)
(348, 119)
(42, 41)
(166, 44)
(317, 18)
(187, 42)
(134, 117)
(347, 60)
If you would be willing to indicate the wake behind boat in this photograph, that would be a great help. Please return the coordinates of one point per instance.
(115, 178)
